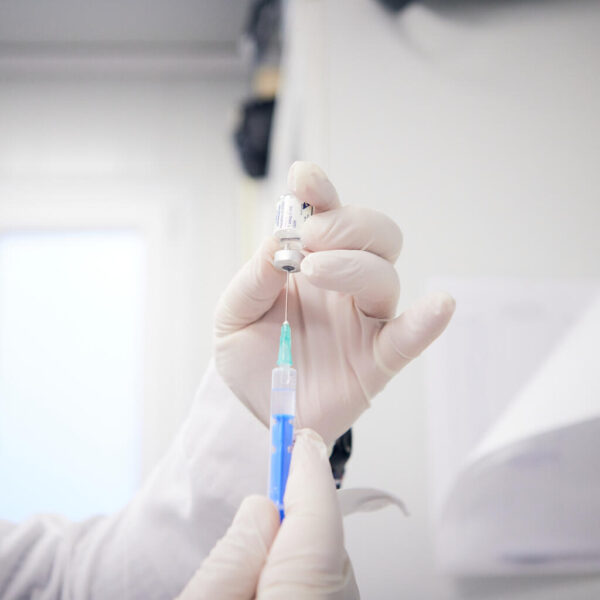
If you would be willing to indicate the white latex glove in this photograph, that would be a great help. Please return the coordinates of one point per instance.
(345, 345)
(304, 558)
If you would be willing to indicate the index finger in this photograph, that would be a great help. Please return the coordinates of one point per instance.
(310, 184)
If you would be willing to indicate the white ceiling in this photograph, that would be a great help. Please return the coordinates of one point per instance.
(99, 22)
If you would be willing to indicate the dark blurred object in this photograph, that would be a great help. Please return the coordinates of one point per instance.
(263, 29)
(394, 5)
(262, 44)
(342, 449)
(252, 135)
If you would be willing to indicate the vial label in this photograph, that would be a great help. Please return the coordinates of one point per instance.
(291, 214)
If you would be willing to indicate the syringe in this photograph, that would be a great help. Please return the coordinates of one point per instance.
(290, 217)
(283, 411)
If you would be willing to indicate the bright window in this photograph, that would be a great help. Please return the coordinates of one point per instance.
(71, 355)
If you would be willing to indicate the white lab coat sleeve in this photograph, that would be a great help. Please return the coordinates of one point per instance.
(151, 548)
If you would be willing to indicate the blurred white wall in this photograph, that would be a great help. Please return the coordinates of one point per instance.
(475, 126)
(99, 147)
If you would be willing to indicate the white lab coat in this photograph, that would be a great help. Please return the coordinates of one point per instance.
(151, 548)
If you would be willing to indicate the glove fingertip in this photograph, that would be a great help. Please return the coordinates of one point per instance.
(442, 305)
(262, 514)
(310, 183)
(251, 292)
(404, 338)
(233, 567)
(310, 484)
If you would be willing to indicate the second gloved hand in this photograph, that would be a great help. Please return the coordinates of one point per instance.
(303, 559)
(345, 343)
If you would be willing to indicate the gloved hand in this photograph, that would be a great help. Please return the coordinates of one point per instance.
(345, 344)
(304, 558)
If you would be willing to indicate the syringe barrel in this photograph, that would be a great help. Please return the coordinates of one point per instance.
(283, 411)
(283, 390)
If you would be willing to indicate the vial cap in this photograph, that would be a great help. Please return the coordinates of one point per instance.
(288, 260)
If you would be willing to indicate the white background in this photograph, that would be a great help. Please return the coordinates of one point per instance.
(475, 126)
(151, 155)
(476, 129)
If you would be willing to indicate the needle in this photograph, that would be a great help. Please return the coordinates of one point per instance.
(287, 287)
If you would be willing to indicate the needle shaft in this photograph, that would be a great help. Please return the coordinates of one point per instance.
(287, 288)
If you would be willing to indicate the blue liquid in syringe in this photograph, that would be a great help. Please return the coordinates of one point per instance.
(282, 437)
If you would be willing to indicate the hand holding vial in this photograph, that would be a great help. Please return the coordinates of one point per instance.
(342, 302)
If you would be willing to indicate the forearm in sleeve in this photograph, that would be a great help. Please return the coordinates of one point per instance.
(152, 547)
